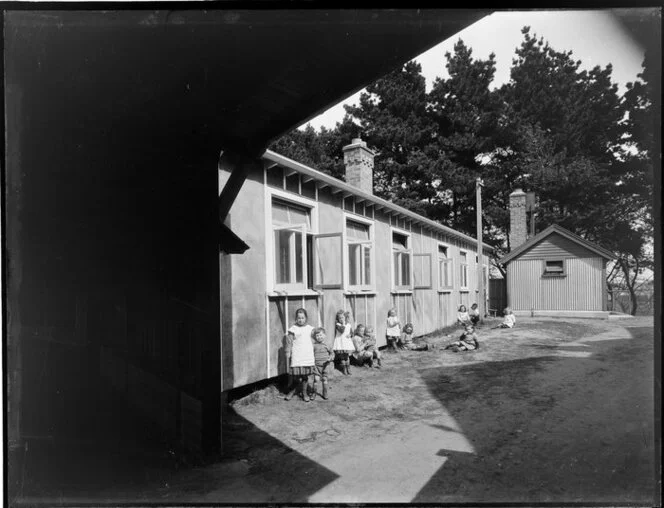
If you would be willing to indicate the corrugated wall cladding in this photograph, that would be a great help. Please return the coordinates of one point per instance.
(581, 289)
(556, 245)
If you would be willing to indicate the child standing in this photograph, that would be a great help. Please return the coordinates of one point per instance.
(393, 331)
(474, 314)
(407, 340)
(300, 354)
(323, 356)
(370, 347)
(343, 344)
(510, 319)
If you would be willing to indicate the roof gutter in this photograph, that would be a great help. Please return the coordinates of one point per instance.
(334, 182)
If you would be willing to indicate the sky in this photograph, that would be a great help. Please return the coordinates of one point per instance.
(595, 37)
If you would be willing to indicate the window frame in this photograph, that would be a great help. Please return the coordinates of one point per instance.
(316, 284)
(346, 253)
(292, 248)
(297, 201)
(554, 274)
(463, 271)
(409, 252)
(428, 285)
(450, 268)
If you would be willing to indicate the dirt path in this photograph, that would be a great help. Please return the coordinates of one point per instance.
(553, 410)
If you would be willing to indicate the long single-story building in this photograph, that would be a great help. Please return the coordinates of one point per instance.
(115, 120)
(323, 244)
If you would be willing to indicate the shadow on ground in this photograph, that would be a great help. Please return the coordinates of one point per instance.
(121, 464)
(550, 428)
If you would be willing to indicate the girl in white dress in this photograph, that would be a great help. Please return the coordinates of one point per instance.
(343, 343)
(300, 354)
(392, 330)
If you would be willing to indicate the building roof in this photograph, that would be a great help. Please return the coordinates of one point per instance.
(231, 79)
(555, 229)
(377, 202)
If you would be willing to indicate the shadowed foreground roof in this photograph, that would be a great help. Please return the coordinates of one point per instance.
(240, 77)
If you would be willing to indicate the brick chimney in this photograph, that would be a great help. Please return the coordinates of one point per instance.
(359, 162)
(518, 223)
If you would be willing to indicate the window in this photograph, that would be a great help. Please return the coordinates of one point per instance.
(422, 271)
(327, 261)
(360, 247)
(463, 270)
(444, 269)
(401, 266)
(290, 224)
(554, 268)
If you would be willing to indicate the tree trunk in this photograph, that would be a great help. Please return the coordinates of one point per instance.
(630, 282)
(635, 304)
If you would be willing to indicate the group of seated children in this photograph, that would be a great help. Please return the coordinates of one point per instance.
(366, 350)
(307, 351)
(469, 319)
(468, 340)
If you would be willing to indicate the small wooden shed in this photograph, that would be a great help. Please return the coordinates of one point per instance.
(557, 273)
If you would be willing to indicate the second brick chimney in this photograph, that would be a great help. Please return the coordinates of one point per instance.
(518, 223)
(359, 162)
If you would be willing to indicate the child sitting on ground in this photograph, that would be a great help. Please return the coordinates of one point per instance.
(370, 347)
(510, 319)
(462, 316)
(361, 356)
(323, 356)
(406, 341)
(467, 341)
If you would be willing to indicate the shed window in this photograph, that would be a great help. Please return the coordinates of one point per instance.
(553, 268)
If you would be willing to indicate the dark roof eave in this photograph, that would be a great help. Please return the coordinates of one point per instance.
(334, 182)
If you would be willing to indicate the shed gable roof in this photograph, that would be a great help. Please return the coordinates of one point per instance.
(555, 229)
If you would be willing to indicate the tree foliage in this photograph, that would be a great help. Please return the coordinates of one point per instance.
(555, 128)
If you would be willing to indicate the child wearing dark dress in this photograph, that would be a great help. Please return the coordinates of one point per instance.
(467, 341)
(474, 314)
(371, 347)
(323, 358)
